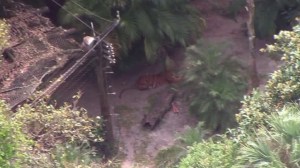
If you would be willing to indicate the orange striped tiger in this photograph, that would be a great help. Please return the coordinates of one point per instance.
(151, 81)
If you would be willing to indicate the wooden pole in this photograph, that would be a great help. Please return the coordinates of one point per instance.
(104, 104)
(254, 79)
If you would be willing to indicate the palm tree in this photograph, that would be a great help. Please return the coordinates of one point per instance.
(214, 84)
(151, 24)
(277, 146)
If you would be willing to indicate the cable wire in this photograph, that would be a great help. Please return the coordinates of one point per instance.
(53, 86)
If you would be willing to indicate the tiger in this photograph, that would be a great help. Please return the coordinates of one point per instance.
(151, 81)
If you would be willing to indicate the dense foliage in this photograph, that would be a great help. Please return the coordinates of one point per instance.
(47, 137)
(210, 154)
(49, 126)
(275, 146)
(170, 157)
(268, 131)
(270, 16)
(13, 142)
(214, 84)
(4, 34)
(147, 24)
(282, 88)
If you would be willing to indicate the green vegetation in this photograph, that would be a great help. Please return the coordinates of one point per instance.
(275, 146)
(268, 131)
(214, 84)
(4, 34)
(210, 153)
(149, 25)
(170, 157)
(72, 155)
(270, 16)
(12, 141)
(47, 137)
(282, 88)
(49, 126)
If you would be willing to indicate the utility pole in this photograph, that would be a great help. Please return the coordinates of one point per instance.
(104, 103)
(103, 56)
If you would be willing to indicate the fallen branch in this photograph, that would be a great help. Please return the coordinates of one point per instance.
(162, 103)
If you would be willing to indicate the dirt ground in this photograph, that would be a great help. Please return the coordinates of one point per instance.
(139, 146)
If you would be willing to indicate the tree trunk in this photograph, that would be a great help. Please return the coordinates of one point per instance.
(254, 79)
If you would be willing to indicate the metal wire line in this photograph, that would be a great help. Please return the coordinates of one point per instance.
(53, 86)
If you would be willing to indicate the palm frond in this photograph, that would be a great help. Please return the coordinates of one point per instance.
(287, 124)
(144, 23)
(192, 135)
(259, 154)
(151, 47)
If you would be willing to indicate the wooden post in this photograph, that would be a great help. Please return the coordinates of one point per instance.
(254, 79)
(104, 103)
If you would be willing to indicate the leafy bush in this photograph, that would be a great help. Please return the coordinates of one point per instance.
(283, 86)
(72, 155)
(254, 110)
(210, 153)
(170, 157)
(49, 126)
(192, 135)
(215, 85)
(47, 137)
(13, 142)
(277, 146)
(4, 34)
(273, 146)
(269, 121)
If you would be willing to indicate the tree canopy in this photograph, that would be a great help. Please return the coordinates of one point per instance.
(152, 23)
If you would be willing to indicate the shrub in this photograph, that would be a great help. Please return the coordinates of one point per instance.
(283, 86)
(47, 137)
(214, 84)
(73, 155)
(49, 126)
(13, 143)
(269, 121)
(170, 157)
(276, 145)
(210, 153)
(4, 34)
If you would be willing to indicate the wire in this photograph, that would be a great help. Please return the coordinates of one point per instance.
(74, 16)
(53, 86)
(92, 13)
